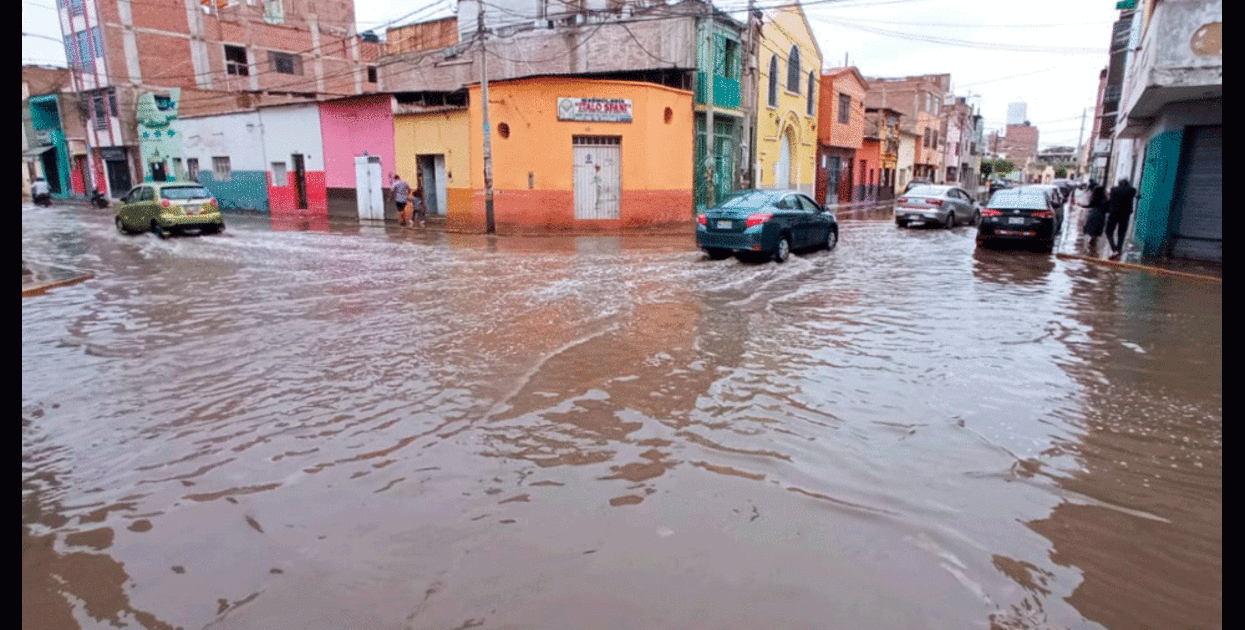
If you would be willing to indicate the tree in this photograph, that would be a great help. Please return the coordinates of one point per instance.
(1003, 167)
(987, 167)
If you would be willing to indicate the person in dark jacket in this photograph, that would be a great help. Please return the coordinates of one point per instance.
(1097, 215)
(1119, 209)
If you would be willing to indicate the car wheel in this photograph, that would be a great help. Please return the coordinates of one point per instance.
(976, 219)
(950, 220)
(902, 224)
(715, 253)
(782, 251)
(159, 231)
(210, 229)
(121, 226)
(832, 239)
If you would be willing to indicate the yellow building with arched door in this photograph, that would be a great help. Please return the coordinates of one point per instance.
(789, 60)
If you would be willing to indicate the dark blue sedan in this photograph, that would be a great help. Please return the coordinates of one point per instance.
(765, 223)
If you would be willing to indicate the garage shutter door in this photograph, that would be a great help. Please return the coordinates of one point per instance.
(1200, 201)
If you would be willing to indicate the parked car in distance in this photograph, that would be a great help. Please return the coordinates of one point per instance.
(1020, 214)
(917, 182)
(940, 205)
(168, 208)
(1056, 193)
(770, 223)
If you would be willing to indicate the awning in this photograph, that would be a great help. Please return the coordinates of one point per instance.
(36, 152)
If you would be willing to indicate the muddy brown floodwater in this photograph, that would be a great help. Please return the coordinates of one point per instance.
(372, 428)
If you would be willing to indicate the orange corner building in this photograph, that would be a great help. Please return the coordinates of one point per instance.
(576, 154)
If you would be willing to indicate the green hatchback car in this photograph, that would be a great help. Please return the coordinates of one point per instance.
(168, 208)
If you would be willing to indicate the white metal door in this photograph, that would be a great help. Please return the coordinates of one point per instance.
(368, 188)
(597, 177)
(438, 167)
(782, 178)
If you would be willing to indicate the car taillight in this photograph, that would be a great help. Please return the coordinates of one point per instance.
(934, 202)
(702, 219)
(902, 200)
(990, 212)
(1044, 214)
(165, 203)
(757, 219)
(212, 202)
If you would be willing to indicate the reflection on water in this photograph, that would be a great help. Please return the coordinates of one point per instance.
(389, 428)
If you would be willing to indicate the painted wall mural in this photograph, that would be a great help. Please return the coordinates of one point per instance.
(160, 142)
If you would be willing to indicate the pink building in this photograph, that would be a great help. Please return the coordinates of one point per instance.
(358, 130)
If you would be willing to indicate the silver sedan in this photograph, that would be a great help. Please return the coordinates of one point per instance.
(947, 206)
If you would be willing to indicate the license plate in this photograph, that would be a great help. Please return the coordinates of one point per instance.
(192, 209)
(916, 222)
(724, 225)
(1016, 220)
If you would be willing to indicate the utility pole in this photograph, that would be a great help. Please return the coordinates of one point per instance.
(710, 158)
(488, 145)
(1079, 139)
(753, 98)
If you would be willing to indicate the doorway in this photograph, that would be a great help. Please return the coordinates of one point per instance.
(432, 181)
(782, 170)
(118, 177)
(369, 190)
(597, 171)
(300, 180)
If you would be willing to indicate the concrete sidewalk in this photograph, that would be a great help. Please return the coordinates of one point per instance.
(1074, 244)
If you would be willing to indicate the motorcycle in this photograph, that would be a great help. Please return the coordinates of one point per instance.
(98, 199)
(43, 199)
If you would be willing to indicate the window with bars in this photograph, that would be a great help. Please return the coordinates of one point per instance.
(595, 140)
(192, 169)
(371, 74)
(99, 100)
(220, 168)
(235, 61)
(285, 63)
(845, 108)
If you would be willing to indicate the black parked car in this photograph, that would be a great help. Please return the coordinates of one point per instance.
(770, 223)
(1020, 215)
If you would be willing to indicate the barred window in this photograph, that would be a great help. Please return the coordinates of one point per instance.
(220, 168)
(845, 108)
(285, 63)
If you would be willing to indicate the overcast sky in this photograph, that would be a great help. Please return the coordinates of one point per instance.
(1046, 54)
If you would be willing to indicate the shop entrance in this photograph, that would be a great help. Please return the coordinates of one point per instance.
(597, 176)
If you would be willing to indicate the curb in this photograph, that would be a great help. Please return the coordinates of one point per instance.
(1136, 267)
(39, 288)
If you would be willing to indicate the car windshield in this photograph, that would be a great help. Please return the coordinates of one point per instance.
(1022, 199)
(184, 192)
(748, 199)
(930, 191)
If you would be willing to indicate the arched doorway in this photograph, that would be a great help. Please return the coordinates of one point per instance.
(782, 174)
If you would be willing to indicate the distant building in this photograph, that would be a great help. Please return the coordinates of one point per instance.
(840, 133)
(139, 66)
(919, 100)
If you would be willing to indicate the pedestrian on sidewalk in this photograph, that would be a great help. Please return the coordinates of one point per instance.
(418, 211)
(401, 193)
(1096, 211)
(1119, 209)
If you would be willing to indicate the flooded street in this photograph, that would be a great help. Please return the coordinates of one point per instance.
(370, 427)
